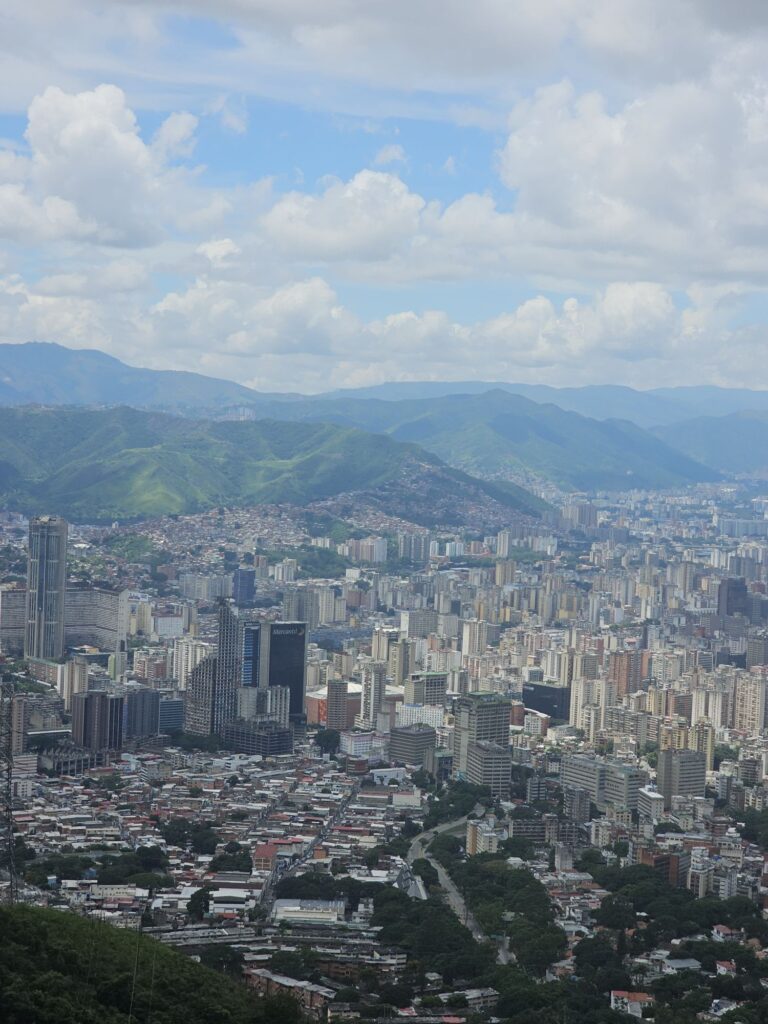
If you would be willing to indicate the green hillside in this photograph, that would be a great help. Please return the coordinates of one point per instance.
(733, 444)
(57, 968)
(501, 434)
(121, 463)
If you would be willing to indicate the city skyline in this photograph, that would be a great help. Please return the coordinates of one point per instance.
(303, 197)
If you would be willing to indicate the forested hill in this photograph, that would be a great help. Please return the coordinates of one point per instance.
(101, 464)
(57, 968)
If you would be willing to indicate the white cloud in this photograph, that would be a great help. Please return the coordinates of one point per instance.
(90, 176)
(175, 137)
(218, 251)
(391, 154)
(364, 218)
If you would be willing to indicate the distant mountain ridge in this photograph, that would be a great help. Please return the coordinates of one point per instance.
(97, 465)
(590, 438)
(735, 444)
(45, 373)
(502, 435)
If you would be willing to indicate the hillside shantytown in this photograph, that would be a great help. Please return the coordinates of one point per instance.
(391, 771)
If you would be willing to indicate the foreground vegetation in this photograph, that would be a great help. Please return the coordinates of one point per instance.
(56, 968)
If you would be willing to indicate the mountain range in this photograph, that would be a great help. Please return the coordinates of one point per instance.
(499, 435)
(97, 465)
(589, 438)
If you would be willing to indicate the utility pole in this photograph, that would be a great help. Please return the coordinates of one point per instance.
(7, 848)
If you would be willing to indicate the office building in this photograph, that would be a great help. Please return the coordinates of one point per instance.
(46, 588)
(426, 688)
(410, 744)
(142, 713)
(551, 700)
(622, 785)
(680, 773)
(213, 684)
(92, 615)
(198, 705)
(732, 597)
(244, 587)
(268, 739)
(478, 717)
(97, 721)
(271, 703)
(650, 804)
(576, 804)
(275, 654)
(757, 650)
(490, 764)
(170, 714)
(579, 771)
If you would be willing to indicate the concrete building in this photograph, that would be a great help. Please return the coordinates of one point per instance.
(410, 744)
(680, 773)
(489, 764)
(478, 717)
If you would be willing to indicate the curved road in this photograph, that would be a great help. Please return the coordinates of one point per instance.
(455, 900)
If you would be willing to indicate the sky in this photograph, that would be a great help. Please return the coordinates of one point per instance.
(302, 195)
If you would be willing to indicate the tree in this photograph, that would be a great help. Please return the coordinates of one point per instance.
(198, 905)
(203, 839)
(328, 740)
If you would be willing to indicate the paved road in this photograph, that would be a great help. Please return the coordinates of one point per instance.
(455, 900)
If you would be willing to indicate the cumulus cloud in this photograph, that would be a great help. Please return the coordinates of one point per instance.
(604, 206)
(89, 174)
(392, 154)
(363, 218)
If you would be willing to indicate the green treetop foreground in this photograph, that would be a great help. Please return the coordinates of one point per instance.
(56, 968)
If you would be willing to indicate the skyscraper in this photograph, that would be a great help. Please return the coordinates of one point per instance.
(374, 688)
(213, 683)
(46, 588)
(244, 586)
(478, 716)
(275, 654)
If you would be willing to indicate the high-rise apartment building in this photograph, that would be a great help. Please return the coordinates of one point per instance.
(336, 704)
(46, 588)
(474, 637)
(749, 702)
(374, 689)
(188, 652)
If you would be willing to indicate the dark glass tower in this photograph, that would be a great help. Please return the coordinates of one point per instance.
(46, 588)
